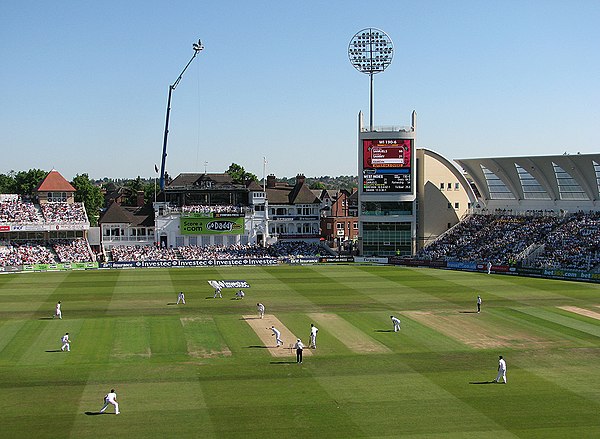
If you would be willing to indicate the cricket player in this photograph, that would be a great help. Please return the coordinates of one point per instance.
(489, 267)
(57, 311)
(181, 298)
(217, 292)
(111, 398)
(501, 370)
(299, 346)
(240, 294)
(396, 323)
(277, 335)
(261, 310)
(313, 336)
(478, 303)
(66, 343)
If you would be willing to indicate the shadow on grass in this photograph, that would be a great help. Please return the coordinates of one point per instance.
(95, 413)
(257, 346)
(468, 312)
(283, 362)
(47, 318)
(171, 303)
(482, 382)
(55, 350)
(384, 330)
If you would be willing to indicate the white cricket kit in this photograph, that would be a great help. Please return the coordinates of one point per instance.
(277, 336)
(58, 312)
(396, 323)
(181, 298)
(261, 310)
(110, 398)
(65, 341)
(501, 370)
(313, 336)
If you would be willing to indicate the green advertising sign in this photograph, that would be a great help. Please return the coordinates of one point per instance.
(212, 226)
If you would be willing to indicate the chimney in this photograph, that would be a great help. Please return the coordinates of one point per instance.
(300, 179)
(140, 199)
(270, 181)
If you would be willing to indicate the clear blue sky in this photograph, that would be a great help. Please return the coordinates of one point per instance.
(84, 83)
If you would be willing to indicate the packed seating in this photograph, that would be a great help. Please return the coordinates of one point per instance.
(575, 244)
(568, 241)
(224, 252)
(142, 253)
(64, 212)
(72, 250)
(15, 210)
(205, 209)
(26, 253)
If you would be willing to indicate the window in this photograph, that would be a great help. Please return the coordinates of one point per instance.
(441, 186)
(449, 205)
(456, 205)
(355, 226)
(456, 186)
(340, 226)
(328, 226)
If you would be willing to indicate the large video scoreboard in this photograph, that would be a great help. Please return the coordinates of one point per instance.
(387, 165)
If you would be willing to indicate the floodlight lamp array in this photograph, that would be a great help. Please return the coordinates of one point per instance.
(371, 51)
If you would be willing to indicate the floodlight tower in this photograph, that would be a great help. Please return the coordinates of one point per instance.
(198, 47)
(371, 51)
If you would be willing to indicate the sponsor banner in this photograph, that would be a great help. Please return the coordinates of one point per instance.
(372, 260)
(457, 265)
(211, 226)
(61, 266)
(228, 284)
(11, 269)
(336, 259)
(4, 228)
(189, 263)
(295, 260)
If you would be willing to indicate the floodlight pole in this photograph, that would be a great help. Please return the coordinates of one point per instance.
(197, 48)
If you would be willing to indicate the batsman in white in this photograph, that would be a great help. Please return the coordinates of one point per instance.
(57, 311)
(181, 298)
(396, 322)
(111, 398)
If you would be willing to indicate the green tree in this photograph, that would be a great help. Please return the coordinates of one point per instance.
(239, 174)
(90, 195)
(317, 185)
(134, 186)
(7, 183)
(27, 181)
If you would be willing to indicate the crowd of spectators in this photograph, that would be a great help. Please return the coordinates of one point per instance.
(16, 210)
(64, 212)
(499, 239)
(142, 253)
(13, 253)
(237, 251)
(568, 241)
(205, 209)
(72, 250)
(574, 245)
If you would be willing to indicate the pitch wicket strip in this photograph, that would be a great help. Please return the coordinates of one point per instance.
(262, 327)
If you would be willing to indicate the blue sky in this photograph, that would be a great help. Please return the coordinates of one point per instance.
(84, 84)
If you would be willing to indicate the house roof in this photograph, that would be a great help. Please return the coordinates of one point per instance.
(298, 194)
(135, 216)
(55, 182)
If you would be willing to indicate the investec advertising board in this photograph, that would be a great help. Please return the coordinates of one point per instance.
(387, 165)
(201, 225)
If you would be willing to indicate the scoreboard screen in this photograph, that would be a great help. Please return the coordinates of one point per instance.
(387, 165)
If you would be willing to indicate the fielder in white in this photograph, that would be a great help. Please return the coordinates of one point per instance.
(313, 336)
(277, 335)
(240, 294)
(57, 311)
(218, 293)
(396, 323)
(501, 370)
(66, 343)
(181, 298)
(261, 310)
(111, 398)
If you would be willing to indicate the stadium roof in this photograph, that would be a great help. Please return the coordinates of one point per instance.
(555, 180)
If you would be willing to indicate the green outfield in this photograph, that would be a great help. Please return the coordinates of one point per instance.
(202, 370)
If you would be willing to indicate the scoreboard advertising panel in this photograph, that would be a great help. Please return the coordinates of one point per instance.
(387, 165)
(195, 225)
